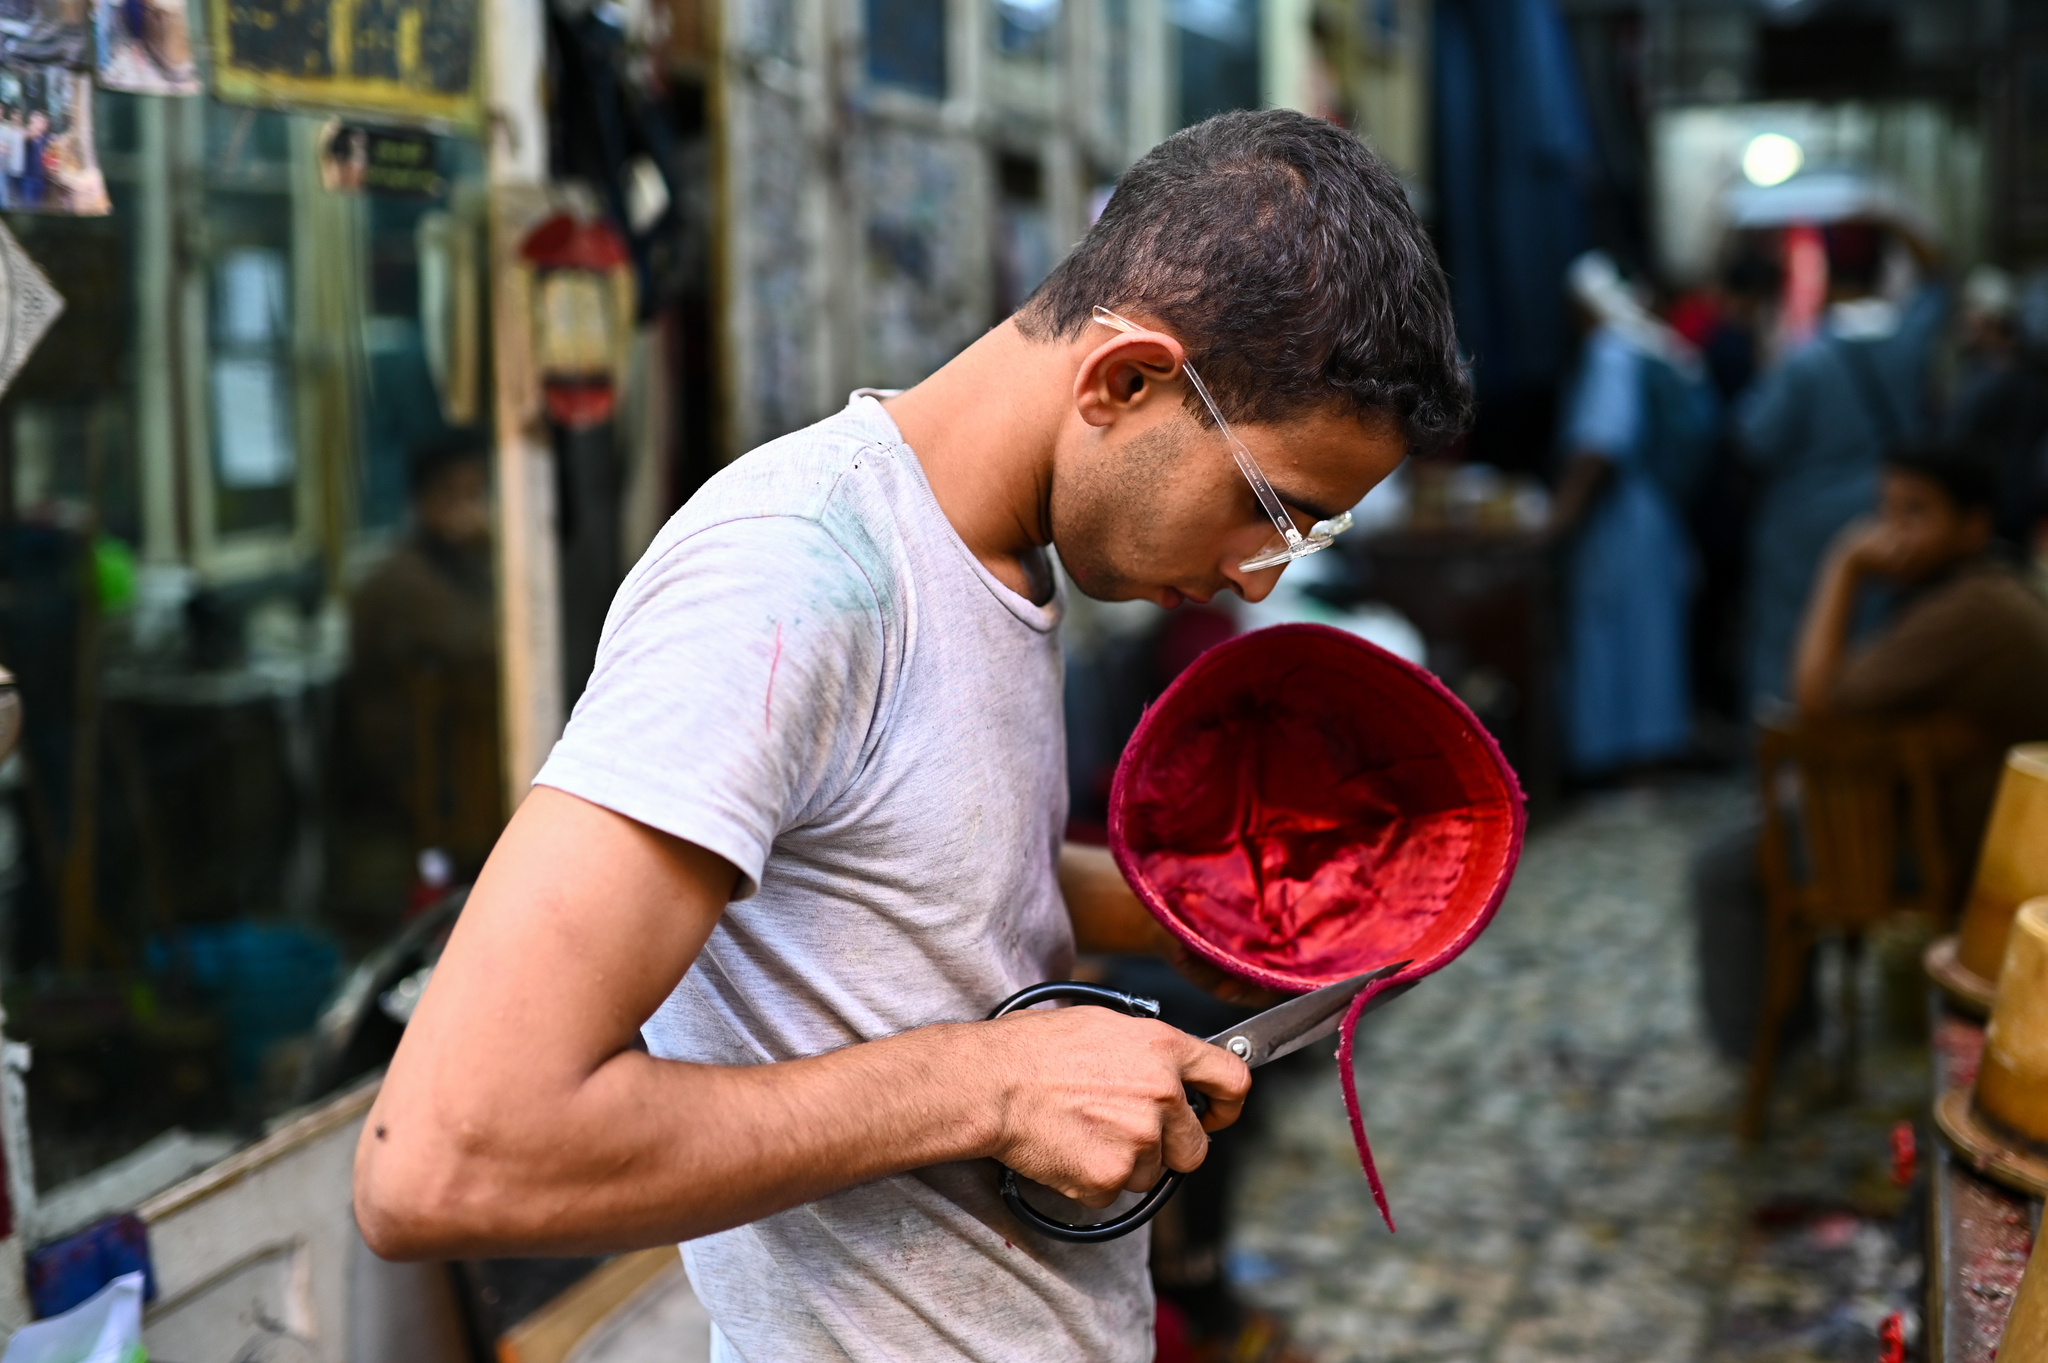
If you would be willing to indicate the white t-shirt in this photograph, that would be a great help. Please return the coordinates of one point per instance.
(810, 675)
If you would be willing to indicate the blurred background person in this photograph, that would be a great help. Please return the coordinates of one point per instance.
(1999, 410)
(1639, 430)
(420, 761)
(1966, 637)
(1816, 427)
(1725, 322)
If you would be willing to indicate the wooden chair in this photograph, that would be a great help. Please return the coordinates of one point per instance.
(1856, 794)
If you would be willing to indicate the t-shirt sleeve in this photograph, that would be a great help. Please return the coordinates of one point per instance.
(1912, 664)
(1607, 406)
(734, 689)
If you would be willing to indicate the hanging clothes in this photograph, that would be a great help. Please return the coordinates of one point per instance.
(1629, 575)
(1515, 160)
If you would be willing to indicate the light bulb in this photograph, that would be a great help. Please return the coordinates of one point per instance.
(1771, 159)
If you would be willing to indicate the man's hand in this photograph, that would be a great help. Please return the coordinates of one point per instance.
(1093, 1104)
(1869, 547)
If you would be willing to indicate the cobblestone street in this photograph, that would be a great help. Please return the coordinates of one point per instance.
(1556, 1137)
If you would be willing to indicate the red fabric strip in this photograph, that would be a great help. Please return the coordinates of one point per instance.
(1346, 1036)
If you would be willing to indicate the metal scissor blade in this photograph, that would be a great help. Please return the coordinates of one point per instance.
(1287, 1027)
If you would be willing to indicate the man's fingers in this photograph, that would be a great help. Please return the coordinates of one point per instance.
(1151, 1166)
(1186, 1143)
(1220, 1077)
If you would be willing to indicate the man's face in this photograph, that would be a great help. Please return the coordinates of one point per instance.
(455, 507)
(1156, 508)
(1924, 530)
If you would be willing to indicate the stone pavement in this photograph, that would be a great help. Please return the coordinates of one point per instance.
(1555, 1135)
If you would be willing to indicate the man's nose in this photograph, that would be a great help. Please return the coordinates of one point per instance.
(1254, 587)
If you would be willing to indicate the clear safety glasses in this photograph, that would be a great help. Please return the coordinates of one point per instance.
(1291, 544)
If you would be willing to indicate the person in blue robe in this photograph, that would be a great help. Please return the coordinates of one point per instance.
(1815, 429)
(1629, 569)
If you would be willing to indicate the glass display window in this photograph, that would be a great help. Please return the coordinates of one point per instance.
(246, 583)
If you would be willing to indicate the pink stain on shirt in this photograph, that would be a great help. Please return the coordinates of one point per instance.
(768, 702)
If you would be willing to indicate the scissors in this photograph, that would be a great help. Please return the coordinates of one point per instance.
(1280, 1030)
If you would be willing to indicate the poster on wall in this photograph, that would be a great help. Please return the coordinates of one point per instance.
(47, 160)
(56, 32)
(145, 47)
(358, 160)
(406, 60)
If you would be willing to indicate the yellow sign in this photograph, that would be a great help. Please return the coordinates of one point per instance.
(409, 59)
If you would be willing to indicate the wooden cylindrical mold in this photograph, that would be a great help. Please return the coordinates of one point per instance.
(2012, 1078)
(2013, 865)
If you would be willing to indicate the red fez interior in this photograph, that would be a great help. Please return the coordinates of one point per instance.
(1302, 806)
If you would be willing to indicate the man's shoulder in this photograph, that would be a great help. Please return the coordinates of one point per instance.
(816, 507)
(799, 474)
(1998, 586)
(1992, 598)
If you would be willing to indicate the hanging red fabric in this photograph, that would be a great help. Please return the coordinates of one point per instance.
(1301, 806)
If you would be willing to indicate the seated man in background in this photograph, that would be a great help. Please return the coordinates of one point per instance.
(419, 706)
(1966, 637)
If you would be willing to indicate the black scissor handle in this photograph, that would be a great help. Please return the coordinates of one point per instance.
(1082, 992)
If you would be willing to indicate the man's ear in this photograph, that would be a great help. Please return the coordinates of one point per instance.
(1124, 373)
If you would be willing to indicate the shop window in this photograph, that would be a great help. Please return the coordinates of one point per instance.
(1219, 56)
(245, 582)
(1026, 28)
(1025, 251)
(249, 373)
(907, 45)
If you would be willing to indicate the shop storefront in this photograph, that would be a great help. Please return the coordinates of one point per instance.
(360, 348)
(247, 586)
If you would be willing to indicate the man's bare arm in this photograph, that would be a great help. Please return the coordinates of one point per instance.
(1860, 549)
(517, 1117)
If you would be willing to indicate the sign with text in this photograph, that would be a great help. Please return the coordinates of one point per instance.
(415, 60)
(355, 159)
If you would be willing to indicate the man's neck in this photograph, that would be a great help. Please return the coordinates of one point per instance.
(984, 428)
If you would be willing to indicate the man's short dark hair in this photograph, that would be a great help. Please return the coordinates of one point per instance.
(1283, 254)
(1967, 479)
(453, 449)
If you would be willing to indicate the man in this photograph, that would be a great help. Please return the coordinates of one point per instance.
(1815, 429)
(419, 704)
(805, 822)
(1967, 638)
(2000, 409)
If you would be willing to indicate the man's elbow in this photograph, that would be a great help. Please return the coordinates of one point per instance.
(406, 1202)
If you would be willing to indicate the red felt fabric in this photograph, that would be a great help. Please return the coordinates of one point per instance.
(1301, 806)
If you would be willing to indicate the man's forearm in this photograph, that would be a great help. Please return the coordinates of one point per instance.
(1584, 478)
(517, 1118)
(1108, 918)
(646, 1151)
(1823, 636)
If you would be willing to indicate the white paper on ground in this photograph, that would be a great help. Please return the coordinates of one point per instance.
(104, 1328)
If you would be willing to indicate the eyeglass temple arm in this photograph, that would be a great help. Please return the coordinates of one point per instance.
(1268, 499)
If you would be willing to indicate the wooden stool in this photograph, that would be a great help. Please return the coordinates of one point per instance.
(1858, 792)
